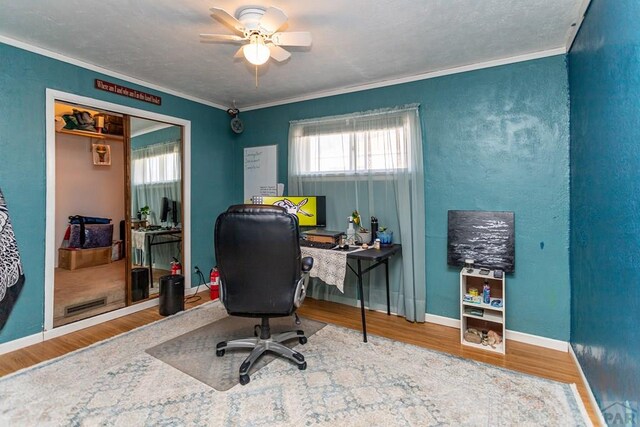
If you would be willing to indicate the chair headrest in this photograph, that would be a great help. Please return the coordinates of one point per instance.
(256, 209)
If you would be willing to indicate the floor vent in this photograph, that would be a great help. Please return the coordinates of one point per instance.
(72, 310)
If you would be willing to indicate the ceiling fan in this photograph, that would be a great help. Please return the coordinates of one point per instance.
(259, 27)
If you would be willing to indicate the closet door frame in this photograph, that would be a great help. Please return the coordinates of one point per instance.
(51, 97)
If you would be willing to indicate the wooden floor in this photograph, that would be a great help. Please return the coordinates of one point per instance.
(74, 287)
(551, 364)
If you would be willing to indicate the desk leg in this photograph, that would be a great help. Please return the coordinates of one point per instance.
(386, 272)
(150, 266)
(364, 322)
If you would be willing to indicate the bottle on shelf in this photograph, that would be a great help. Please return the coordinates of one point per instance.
(486, 292)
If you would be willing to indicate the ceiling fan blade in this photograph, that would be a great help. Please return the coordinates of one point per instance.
(213, 38)
(240, 53)
(278, 53)
(227, 19)
(272, 19)
(302, 38)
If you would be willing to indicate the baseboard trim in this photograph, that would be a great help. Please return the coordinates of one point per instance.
(592, 397)
(96, 320)
(536, 340)
(19, 343)
(441, 320)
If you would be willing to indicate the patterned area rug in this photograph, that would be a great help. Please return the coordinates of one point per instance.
(194, 353)
(347, 382)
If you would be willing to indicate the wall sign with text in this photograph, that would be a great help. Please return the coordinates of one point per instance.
(127, 91)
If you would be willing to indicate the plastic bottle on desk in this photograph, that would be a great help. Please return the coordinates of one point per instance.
(351, 232)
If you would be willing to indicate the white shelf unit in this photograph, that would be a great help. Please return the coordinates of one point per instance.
(492, 318)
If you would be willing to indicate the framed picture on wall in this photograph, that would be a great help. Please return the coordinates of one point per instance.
(101, 154)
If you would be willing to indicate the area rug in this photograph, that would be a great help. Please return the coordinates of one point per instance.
(194, 353)
(347, 382)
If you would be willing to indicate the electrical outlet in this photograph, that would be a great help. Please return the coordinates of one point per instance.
(196, 269)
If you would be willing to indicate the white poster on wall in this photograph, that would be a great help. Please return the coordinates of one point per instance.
(260, 171)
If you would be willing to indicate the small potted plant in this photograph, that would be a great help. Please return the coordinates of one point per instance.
(143, 213)
(385, 236)
(364, 235)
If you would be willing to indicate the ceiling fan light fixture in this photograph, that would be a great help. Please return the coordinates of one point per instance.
(256, 52)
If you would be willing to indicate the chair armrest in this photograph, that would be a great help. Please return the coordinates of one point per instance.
(307, 264)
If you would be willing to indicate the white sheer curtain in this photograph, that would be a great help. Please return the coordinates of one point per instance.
(155, 173)
(372, 162)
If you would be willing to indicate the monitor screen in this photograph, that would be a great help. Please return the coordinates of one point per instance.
(488, 238)
(310, 210)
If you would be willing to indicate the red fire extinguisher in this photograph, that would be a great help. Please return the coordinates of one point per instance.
(214, 278)
(176, 267)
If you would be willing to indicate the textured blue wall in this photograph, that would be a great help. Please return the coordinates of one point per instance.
(604, 76)
(24, 76)
(494, 139)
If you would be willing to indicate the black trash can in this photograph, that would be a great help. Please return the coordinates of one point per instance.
(139, 284)
(171, 294)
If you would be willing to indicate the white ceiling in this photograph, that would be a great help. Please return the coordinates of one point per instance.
(355, 42)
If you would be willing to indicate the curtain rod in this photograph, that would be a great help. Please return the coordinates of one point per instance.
(368, 113)
(175, 141)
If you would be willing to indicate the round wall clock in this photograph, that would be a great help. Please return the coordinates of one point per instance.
(236, 125)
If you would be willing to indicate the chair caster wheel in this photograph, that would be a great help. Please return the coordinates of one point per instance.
(302, 366)
(256, 331)
(219, 353)
(302, 340)
(244, 379)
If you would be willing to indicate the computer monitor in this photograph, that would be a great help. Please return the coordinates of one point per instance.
(310, 210)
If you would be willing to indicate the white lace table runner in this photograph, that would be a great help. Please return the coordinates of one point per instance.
(328, 266)
(137, 239)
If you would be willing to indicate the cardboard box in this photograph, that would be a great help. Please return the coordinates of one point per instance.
(72, 259)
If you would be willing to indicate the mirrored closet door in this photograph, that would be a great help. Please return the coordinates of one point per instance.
(155, 203)
(118, 216)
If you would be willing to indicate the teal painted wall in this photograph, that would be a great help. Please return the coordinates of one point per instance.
(604, 77)
(156, 137)
(494, 139)
(24, 76)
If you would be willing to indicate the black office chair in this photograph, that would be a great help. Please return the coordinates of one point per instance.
(262, 275)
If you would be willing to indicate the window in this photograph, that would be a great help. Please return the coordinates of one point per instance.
(156, 165)
(375, 143)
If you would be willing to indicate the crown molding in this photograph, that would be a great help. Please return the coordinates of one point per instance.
(413, 78)
(73, 61)
(150, 129)
(580, 12)
(315, 95)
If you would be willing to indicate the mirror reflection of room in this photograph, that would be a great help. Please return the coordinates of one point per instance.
(156, 204)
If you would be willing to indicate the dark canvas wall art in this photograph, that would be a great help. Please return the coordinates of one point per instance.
(484, 236)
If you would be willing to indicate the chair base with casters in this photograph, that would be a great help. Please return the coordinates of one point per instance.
(263, 342)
